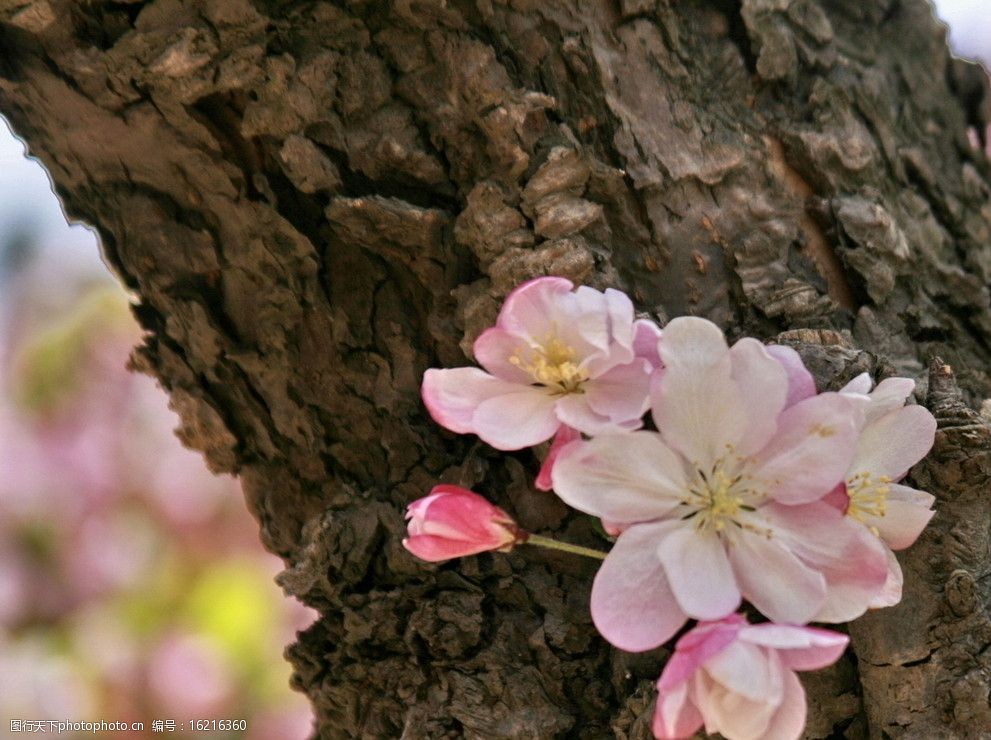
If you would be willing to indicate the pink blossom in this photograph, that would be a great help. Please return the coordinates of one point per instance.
(558, 355)
(453, 522)
(739, 679)
(895, 437)
(723, 503)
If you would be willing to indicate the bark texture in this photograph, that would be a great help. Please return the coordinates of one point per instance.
(313, 202)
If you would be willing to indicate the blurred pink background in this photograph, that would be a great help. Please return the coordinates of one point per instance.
(133, 586)
(132, 583)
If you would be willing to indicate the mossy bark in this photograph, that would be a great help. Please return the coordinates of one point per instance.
(313, 202)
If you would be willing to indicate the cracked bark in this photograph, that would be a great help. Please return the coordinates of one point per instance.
(313, 202)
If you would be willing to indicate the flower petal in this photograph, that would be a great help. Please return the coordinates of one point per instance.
(890, 395)
(521, 418)
(788, 721)
(696, 405)
(434, 549)
(624, 478)
(646, 335)
(906, 514)
(532, 308)
(492, 350)
(452, 396)
(621, 394)
(762, 383)
(860, 385)
(891, 592)
(574, 411)
(893, 443)
(799, 648)
(801, 384)
(812, 450)
(698, 571)
(632, 604)
(849, 556)
(744, 669)
(675, 715)
(563, 437)
(774, 580)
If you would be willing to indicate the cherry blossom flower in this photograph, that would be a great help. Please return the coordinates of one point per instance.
(452, 522)
(895, 437)
(739, 679)
(558, 355)
(723, 502)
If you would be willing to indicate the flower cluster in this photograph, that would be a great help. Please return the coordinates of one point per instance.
(753, 487)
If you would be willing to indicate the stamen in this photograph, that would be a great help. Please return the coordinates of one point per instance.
(868, 496)
(552, 365)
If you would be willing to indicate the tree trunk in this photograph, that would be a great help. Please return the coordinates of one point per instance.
(313, 202)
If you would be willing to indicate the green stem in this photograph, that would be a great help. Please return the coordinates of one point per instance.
(536, 539)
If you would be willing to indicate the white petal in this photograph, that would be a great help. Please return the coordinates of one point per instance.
(789, 719)
(624, 478)
(890, 394)
(893, 443)
(699, 572)
(891, 593)
(860, 385)
(906, 514)
(696, 405)
(762, 383)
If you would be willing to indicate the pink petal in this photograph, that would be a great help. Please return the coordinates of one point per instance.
(774, 580)
(891, 592)
(696, 405)
(906, 514)
(851, 559)
(788, 722)
(837, 498)
(812, 450)
(518, 419)
(762, 384)
(435, 549)
(565, 434)
(893, 443)
(621, 394)
(623, 478)
(532, 308)
(452, 396)
(646, 336)
(492, 350)
(632, 604)
(696, 647)
(574, 411)
(675, 716)
(799, 648)
(698, 571)
(801, 384)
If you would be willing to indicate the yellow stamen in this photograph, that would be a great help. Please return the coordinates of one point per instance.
(868, 496)
(719, 498)
(552, 363)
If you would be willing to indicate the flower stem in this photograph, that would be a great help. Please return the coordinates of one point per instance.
(539, 541)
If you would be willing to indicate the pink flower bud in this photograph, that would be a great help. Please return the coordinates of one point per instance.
(452, 522)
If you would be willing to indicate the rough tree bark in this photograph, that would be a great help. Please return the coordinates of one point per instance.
(313, 202)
